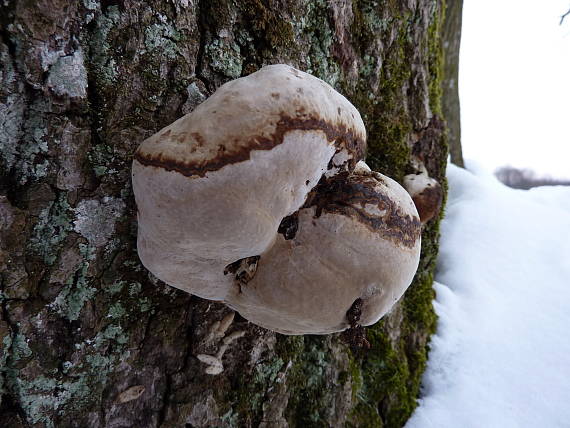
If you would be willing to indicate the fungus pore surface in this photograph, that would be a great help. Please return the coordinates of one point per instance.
(257, 199)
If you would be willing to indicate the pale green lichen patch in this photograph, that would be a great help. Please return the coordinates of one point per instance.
(33, 145)
(116, 311)
(20, 348)
(42, 396)
(314, 27)
(127, 300)
(115, 287)
(77, 290)
(104, 64)
(51, 229)
(101, 157)
(76, 386)
(162, 39)
(225, 57)
(145, 305)
(135, 288)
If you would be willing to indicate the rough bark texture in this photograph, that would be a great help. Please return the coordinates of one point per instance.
(87, 336)
(451, 38)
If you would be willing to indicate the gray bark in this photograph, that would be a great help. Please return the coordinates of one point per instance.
(87, 336)
(451, 110)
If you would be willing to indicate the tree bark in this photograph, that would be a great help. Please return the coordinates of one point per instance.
(87, 336)
(451, 111)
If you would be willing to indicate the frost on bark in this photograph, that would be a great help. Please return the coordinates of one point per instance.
(87, 336)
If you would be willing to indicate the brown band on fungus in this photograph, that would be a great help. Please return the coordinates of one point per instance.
(343, 139)
(342, 193)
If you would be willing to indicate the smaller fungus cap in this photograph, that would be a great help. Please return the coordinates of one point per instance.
(425, 191)
(357, 237)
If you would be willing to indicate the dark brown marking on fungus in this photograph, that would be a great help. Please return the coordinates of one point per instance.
(354, 312)
(243, 270)
(355, 336)
(289, 226)
(349, 195)
(342, 137)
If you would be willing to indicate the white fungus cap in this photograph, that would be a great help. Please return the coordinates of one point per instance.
(358, 237)
(213, 189)
(426, 192)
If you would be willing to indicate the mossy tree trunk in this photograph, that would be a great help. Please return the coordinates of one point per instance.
(87, 336)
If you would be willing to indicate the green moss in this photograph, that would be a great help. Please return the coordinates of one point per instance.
(435, 59)
(305, 360)
(248, 393)
(267, 24)
(310, 399)
(355, 375)
(383, 109)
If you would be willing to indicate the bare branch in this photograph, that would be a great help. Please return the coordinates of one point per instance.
(564, 16)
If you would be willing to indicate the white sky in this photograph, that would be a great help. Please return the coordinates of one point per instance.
(514, 83)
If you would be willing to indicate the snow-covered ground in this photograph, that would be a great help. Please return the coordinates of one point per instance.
(501, 354)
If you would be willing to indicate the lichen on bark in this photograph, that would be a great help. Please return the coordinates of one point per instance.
(83, 324)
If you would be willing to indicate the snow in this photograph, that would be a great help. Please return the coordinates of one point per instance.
(501, 353)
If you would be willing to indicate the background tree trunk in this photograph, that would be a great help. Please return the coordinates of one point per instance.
(451, 110)
(87, 336)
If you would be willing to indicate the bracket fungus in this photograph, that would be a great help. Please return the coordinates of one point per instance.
(257, 199)
(426, 192)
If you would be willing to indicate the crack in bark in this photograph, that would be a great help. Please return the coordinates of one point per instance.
(202, 29)
(8, 395)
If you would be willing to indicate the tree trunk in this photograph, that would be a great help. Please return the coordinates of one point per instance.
(87, 336)
(451, 111)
